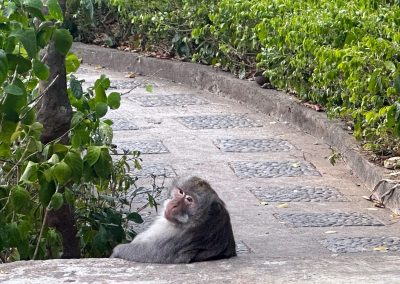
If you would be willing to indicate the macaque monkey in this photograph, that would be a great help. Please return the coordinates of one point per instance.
(194, 225)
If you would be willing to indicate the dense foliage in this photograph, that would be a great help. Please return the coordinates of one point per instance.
(341, 54)
(36, 178)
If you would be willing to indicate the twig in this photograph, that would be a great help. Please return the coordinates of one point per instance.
(145, 81)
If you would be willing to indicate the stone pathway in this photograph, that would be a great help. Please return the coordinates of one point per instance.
(296, 218)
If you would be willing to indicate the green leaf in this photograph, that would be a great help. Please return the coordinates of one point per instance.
(18, 62)
(35, 7)
(57, 201)
(397, 83)
(390, 66)
(149, 88)
(3, 66)
(28, 39)
(72, 63)
(62, 172)
(69, 196)
(20, 199)
(55, 10)
(74, 161)
(30, 173)
(114, 100)
(46, 189)
(101, 109)
(103, 165)
(100, 87)
(135, 217)
(62, 40)
(13, 90)
(40, 69)
(93, 154)
(75, 87)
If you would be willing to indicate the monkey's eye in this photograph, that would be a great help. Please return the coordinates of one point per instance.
(180, 191)
(189, 199)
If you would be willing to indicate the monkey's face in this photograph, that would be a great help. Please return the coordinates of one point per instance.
(180, 207)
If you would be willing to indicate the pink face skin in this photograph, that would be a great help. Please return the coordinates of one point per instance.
(177, 207)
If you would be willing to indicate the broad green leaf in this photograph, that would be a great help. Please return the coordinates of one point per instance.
(100, 87)
(30, 173)
(114, 100)
(103, 165)
(76, 87)
(74, 161)
(28, 39)
(55, 10)
(391, 116)
(135, 217)
(40, 69)
(72, 63)
(54, 159)
(3, 66)
(57, 201)
(62, 172)
(35, 7)
(44, 36)
(62, 40)
(46, 189)
(13, 90)
(18, 62)
(20, 199)
(93, 154)
(101, 109)
(69, 196)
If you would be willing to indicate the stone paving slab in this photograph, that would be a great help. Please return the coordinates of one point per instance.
(327, 219)
(157, 169)
(168, 100)
(252, 145)
(298, 193)
(362, 244)
(143, 146)
(120, 124)
(217, 121)
(273, 169)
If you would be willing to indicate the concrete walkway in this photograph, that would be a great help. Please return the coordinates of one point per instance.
(296, 218)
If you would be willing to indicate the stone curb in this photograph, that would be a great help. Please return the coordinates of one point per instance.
(271, 102)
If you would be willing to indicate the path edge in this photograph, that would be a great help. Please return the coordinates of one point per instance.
(275, 103)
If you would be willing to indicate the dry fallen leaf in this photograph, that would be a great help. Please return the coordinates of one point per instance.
(130, 75)
(98, 67)
(263, 203)
(295, 165)
(381, 249)
(330, 232)
(372, 209)
(283, 205)
(367, 197)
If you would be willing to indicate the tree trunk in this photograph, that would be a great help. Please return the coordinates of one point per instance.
(55, 113)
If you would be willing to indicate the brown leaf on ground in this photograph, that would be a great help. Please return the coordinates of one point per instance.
(315, 107)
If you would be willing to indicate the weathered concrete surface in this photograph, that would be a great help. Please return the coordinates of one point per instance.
(271, 250)
(281, 106)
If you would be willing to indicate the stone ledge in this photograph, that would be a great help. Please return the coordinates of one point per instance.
(271, 102)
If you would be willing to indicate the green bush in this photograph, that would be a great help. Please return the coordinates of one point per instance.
(343, 55)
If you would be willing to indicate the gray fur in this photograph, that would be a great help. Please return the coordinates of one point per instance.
(206, 236)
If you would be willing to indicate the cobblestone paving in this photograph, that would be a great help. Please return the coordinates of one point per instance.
(362, 244)
(145, 147)
(168, 100)
(252, 145)
(120, 123)
(217, 121)
(158, 170)
(327, 219)
(272, 169)
(297, 193)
